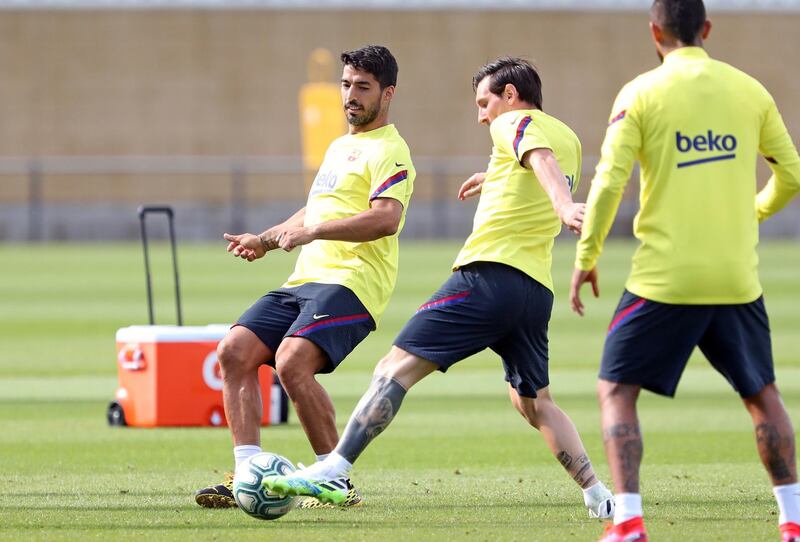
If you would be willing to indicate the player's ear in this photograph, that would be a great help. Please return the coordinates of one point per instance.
(706, 29)
(388, 93)
(656, 32)
(510, 93)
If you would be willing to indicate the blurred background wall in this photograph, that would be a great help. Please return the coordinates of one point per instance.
(102, 110)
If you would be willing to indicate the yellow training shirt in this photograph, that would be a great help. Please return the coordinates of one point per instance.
(357, 169)
(696, 125)
(515, 222)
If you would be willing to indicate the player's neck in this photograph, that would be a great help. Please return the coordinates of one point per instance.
(379, 122)
(667, 48)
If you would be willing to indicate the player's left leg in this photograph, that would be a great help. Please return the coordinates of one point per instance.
(563, 440)
(472, 309)
(776, 447)
(297, 363)
(737, 343)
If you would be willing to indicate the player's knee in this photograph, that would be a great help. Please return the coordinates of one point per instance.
(293, 371)
(615, 392)
(391, 363)
(290, 375)
(531, 410)
(231, 356)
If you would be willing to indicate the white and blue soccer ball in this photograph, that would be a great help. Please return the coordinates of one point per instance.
(251, 496)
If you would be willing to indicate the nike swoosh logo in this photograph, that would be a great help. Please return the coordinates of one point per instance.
(396, 164)
(318, 316)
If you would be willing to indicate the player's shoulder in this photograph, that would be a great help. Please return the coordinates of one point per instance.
(390, 145)
(742, 79)
(643, 83)
(550, 123)
(511, 123)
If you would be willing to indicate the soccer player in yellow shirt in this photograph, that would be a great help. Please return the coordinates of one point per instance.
(499, 295)
(343, 277)
(697, 126)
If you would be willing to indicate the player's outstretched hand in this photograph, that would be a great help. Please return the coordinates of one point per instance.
(578, 278)
(295, 237)
(246, 246)
(472, 186)
(571, 216)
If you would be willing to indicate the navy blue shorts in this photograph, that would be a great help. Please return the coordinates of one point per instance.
(329, 315)
(649, 344)
(486, 305)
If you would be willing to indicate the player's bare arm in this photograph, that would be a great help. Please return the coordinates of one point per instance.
(579, 277)
(250, 247)
(380, 220)
(544, 164)
(472, 186)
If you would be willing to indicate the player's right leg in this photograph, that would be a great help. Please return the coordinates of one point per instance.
(647, 346)
(327, 481)
(249, 344)
(240, 355)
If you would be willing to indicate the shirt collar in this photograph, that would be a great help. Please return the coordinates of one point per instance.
(685, 53)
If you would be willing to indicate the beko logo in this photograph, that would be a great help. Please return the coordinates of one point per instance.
(706, 142)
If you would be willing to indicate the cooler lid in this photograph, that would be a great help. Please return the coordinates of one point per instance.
(151, 334)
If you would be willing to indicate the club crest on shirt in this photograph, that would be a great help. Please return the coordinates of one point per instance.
(354, 154)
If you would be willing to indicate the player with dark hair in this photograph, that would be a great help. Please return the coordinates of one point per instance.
(499, 296)
(343, 277)
(696, 125)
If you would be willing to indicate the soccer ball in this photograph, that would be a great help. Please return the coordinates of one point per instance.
(251, 496)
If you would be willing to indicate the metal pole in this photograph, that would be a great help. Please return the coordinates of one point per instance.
(35, 225)
(238, 187)
(175, 268)
(146, 266)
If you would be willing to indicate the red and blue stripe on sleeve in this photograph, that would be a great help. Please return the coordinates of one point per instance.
(520, 132)
(388, 183)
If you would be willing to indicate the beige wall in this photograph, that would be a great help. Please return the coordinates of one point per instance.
(225, 83)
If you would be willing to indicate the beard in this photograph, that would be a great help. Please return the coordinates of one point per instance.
(364, 116)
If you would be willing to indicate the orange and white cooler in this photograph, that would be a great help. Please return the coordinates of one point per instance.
(170, 376)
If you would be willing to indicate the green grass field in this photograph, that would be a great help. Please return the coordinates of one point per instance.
(457, 463)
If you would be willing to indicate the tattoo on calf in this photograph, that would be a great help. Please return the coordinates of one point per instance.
(621, 430)
(374, 412)
(623, 443)
(580, 469)
(585, 474)
(769, 443)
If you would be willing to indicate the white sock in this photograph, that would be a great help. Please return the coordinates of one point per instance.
(627, 506)
(322, 457)
(788, 498)
(334, 466)
(241, 453)
(596, 493)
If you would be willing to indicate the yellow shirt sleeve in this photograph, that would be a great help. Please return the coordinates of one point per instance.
(389, 174)
(777, 147)
(524, 135)
(620, 149)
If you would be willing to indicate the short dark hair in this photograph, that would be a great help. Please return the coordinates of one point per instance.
(515, 71)
(376, 60)
(682, 19)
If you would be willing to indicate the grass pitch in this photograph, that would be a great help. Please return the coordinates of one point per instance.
(458, 462)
